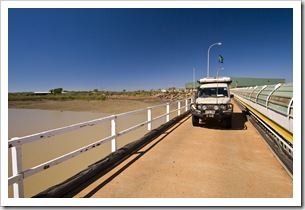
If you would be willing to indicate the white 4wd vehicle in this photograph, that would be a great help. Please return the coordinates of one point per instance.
(213, 100)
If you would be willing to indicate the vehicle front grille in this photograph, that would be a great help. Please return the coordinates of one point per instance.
(211, 106)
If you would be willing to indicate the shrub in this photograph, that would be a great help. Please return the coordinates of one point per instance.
(56, 91)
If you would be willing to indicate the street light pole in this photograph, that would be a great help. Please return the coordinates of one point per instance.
(208, 70)
(217, 85)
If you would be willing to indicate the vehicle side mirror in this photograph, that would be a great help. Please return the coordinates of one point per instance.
(231, 96)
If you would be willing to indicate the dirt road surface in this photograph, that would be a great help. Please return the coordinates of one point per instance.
(198, 162)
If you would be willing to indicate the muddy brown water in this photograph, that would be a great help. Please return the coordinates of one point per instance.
(23, 122)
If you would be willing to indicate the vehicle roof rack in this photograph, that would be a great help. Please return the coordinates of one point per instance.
(214, 80)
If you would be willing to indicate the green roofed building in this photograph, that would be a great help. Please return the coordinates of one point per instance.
(243, 82)
(246, 82)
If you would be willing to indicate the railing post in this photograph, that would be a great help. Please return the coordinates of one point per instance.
(149, 119)
(167, 112)
(186, 105)
(179, 107)
(17, 168)
(113, 133)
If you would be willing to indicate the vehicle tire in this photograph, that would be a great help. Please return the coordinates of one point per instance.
(195, 120)
(229, 122)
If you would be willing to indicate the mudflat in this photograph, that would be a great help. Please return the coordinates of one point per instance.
(111, 106)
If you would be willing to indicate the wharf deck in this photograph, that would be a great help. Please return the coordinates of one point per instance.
(198, 162)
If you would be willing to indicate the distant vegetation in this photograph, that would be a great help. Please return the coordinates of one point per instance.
(79, 95)
(56, 91)
(60, 94)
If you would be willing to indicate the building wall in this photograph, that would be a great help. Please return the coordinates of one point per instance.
(246, 82)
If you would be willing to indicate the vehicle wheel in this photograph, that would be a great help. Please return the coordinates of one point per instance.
(195, 120)
(229, 122)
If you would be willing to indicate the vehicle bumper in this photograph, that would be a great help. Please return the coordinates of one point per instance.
(211, 113)
(215, 116)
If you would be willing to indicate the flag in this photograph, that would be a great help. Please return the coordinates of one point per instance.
(220, 59)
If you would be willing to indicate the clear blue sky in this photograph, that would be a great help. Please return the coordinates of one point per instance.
(116, 49)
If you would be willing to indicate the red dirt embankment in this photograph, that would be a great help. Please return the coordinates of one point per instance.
(113, 104)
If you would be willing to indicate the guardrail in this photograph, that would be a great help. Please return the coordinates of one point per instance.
(272, 106)
(274, 101)
(16, 143)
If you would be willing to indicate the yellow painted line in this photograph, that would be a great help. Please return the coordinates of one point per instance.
(282, 131)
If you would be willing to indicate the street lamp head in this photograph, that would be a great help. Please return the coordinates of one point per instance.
(219, 43)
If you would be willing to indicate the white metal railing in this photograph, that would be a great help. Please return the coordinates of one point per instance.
(18, 174)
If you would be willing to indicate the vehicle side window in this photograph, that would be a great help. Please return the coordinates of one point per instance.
(225, 92)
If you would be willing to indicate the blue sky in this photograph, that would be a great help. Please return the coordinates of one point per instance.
(116, 49)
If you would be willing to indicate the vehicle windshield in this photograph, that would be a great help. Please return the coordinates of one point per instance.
(212, 92)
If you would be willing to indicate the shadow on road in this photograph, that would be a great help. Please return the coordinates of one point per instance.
(238, 123)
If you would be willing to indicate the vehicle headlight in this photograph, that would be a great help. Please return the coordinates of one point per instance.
(199, 106)
(216, 107)
(204, 107)
(229, 106)
(222, 106)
